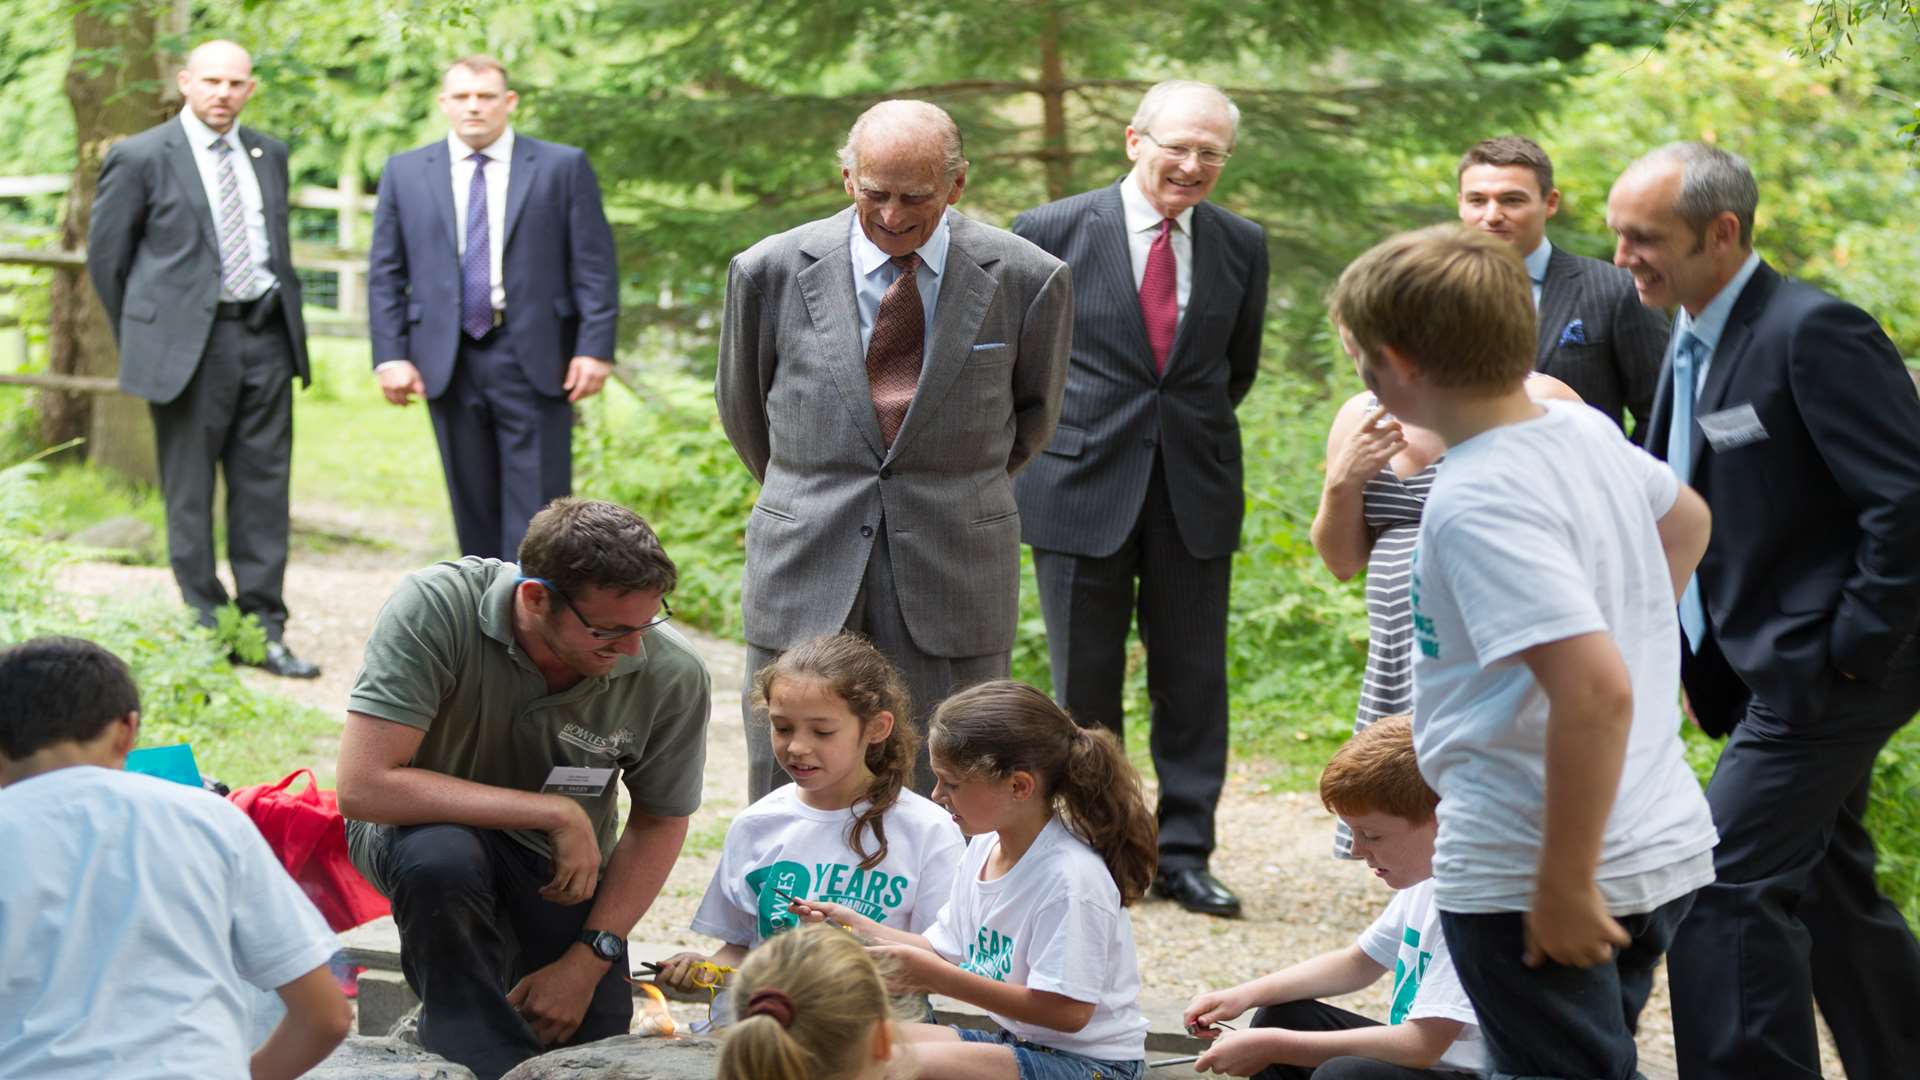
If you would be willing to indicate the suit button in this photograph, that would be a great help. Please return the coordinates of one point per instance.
(886, 472)
(866, 530)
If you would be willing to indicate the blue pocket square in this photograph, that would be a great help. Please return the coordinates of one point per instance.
(1574, 334)
(990, 345)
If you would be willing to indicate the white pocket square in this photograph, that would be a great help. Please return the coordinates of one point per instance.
(990, 345)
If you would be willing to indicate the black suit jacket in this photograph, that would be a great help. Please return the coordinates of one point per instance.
(1083, 495)
(1814, 565)
(1612, 356)
(155, 260)
(562, 284)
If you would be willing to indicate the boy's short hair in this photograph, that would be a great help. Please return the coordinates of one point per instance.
(1375, 773)
(573, 543)
(60, 689)
(1455, 301)
(1508, 150)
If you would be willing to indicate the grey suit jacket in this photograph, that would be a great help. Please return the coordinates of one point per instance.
(1612, 356)
(1084, 494)
(155, 261)
(793, 396)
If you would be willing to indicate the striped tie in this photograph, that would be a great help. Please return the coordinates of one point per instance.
(236, 262)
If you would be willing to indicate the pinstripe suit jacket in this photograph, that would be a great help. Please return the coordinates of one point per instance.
(793, 397)
(1617, 365)
(1083, 495)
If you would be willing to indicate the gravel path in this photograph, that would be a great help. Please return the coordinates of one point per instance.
(1273, 846)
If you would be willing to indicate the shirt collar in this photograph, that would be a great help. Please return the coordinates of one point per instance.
(201, 137)
(867, 256)
(500, 149)
(1537, 261)
(1141, 214)
(1713, 318)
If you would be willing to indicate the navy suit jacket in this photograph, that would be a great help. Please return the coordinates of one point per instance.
(1814, 565)
(1083, 496)
(562, 283)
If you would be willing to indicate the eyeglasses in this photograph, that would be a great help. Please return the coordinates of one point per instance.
(1209, 157)
(602, 633)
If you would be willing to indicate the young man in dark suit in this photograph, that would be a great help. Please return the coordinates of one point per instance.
(1142, 481)
(1791, 412)
(189, 251)
(493, 292)
(1594, 334)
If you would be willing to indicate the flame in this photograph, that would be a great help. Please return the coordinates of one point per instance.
(654, 1019)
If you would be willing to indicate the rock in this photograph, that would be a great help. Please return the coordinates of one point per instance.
(128, 534)
(626, 1057)
(364, 1057)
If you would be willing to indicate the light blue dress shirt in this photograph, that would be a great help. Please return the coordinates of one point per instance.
(873, 272)
(1712, 321)
(1537, 267)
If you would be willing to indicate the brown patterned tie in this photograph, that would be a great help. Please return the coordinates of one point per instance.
(893, 352)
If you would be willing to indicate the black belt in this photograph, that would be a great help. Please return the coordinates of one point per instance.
(232, 309)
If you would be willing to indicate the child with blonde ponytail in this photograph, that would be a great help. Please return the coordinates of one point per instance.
(848, 829)
(1036, 932)
(813, 1006)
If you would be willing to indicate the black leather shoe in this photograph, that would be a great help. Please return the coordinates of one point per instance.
(1198, 892)
(280, 661)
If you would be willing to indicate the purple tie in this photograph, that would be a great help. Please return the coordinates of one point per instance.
(476, 266)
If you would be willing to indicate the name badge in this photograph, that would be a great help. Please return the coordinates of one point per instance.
(1730, 429)
(568, 780)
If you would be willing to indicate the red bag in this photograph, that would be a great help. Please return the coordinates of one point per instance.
(309, 836)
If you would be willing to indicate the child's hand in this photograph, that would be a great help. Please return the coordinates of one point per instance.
(1571, 927)
(1208, 1009)
(677, 971)
(913, 970)
(1240, 1053)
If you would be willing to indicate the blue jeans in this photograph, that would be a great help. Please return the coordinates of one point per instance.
(1046, 1063)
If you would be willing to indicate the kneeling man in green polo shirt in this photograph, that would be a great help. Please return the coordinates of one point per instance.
(495, 710)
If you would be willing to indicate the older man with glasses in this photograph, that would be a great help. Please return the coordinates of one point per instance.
(494, 708)
(1141, 486)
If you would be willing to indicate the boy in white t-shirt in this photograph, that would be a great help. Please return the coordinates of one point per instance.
(137, 916)
(1373, 784)
(1572, 834)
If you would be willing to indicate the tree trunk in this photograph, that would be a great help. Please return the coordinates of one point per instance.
(1053, 112)
(115, 88)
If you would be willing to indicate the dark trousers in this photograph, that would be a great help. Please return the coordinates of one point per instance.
(1795, 914)
(472, 924)
(930, 679)
(1318, 1016)
(1555, 1021)
(236, 414)
(1090, 602)
(506, 448)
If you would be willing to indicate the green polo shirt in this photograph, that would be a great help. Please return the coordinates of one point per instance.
(442, 658)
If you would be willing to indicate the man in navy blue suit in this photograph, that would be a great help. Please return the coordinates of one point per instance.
(493, 292)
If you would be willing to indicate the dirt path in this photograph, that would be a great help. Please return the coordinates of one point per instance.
(1273, 847)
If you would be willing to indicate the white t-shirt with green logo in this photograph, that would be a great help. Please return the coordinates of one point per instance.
(1407, 941)
(782, 843)
(1054, 923)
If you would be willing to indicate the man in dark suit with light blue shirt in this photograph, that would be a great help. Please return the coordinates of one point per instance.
(493, 292)
(1142, 482)
(189, 251)
(883, 373)
(1792, 414)
(1594, 333)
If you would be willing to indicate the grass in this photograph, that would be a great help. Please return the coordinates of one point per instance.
(352, 449)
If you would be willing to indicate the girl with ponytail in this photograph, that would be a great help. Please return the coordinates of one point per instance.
(848, 830)
(813, 1006)
(1036, 932)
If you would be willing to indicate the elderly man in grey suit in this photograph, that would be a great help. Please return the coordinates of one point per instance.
(883, 373)
(1142, 482)
(189, 252)
(1594, 334)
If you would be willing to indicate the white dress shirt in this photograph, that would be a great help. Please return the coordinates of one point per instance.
(1143, 225)
(873, 273)
(499, 159)
(201, 138)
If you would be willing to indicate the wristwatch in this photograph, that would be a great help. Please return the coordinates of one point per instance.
(606, 946)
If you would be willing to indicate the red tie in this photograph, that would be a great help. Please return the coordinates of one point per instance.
(894, 348)
(1159, 301)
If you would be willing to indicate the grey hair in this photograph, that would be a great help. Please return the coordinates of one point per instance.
(1163, 94)
(905, 114)
(1712, 182)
